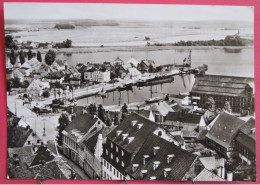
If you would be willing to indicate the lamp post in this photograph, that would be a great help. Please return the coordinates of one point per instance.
(44, 127)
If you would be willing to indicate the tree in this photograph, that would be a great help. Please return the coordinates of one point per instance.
(50, 57)
(29, 54)
(12, 57)
(68, 43)
(124, 111)
(17, 82)
(39, 56)
(101, 113)
(8, 41)
(46, 94)
(25, 84)
(21, 57)
(64, 120)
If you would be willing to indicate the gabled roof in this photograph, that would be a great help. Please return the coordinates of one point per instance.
(246, 136)
(162, 107)
(148, 62)
(118, 61)
(30, 157)
(224, 129)
(222, 85)
(17, 136)
(183, 117)
(31, 64)
(133, 61)
(139, 135)
(178, 167)
(81, 124)
(206, 175)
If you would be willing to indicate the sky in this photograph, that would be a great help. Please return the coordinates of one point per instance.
(127, 12)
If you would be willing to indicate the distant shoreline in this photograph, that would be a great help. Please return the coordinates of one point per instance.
(95, 49)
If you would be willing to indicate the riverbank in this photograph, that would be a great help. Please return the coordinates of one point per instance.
(94, 49)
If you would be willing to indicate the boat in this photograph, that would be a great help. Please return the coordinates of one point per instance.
(125, 87)
(232, 50)
(156, 80)
(153, 100)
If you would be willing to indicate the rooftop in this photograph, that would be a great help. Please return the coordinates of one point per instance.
(206, 175)
(224, 129)
(17, 136)
(225, 85)
(169, 157)
(183, 117)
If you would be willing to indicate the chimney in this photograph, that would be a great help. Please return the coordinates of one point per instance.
(133, 123)
(156, 165)
(124, 136)
(118, 132)
(145, 159)
(143, 173)
(156, 150)
(166, 172)
(134, 167)
(169, 158)
(229, 176)
(139, 126)
(130, 139)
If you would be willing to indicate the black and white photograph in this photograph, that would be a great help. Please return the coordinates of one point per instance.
(130, 92)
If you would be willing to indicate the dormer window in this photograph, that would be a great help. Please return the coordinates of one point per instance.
(117, 160)
(166, 172)
(106, 152)
(130, 139)
(118, 132)
(124, 136)
(145, 159)
(143, 173)
(156, 150)
(156, 165)
(153, 178)
(134, 123)
(134, 167)
(111, 145)
(139, 126)
(122, 153)
(116, 149)
(123, 164)
(111, 155)
(169, 158)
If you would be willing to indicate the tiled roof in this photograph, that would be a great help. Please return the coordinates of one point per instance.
(178, 166)
(183, 117)
(91, 142)
(132, 131)
(248, 127)
(224, 129)
(246, 136)
(162, 107)
(28, 156)
(82, 123)
(226, 85)
(46, 171)
(206, 175)
(17, 136)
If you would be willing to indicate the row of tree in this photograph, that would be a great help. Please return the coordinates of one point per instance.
(228, 41)
(23, 55)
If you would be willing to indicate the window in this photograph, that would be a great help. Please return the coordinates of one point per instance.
(123, 164)
(122, 152)
(116, 149)
(106, 152)
(110, 168)
(160, 133)
(29, 142)
(111, 156)
(114, 171)
(117, 174)
(111, 145)
(117, 160)
(38, 141)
